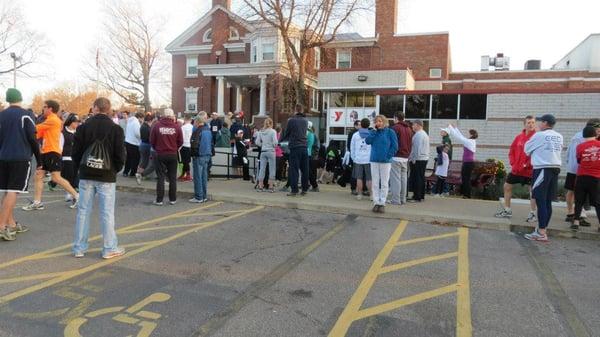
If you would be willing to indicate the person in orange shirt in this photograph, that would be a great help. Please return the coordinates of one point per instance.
(49, 131)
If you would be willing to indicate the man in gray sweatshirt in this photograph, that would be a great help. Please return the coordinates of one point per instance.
(418, 158)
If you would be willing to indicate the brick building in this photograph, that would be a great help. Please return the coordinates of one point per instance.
(224, 63)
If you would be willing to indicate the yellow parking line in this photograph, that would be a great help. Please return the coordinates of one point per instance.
(93, 250)
(417, 262)
(29, 278)
(347, 317)
(464, 326)
(159, 228)
(372, 311)
(428, 238)
(41, 255)
(74, 273)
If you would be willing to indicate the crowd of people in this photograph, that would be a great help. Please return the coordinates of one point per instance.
(381, 162)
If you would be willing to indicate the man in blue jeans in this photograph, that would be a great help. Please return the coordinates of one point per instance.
(545, 148)
(97, 177)
(295, 134)
(201, 155)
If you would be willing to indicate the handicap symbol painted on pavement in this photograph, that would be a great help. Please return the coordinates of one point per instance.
(133, 315)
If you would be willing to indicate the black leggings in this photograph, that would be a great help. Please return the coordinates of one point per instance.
(586, 187)
(465, 176)
(186, 158)
(132, 160)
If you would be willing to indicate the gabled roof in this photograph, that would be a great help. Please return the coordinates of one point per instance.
(203, 22)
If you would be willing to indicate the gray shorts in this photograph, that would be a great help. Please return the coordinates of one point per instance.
(361, 171)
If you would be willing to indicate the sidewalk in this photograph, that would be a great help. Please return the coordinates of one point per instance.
(334, 199)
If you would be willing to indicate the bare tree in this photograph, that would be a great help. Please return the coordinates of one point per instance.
(304, 25)
(129, 56)
(17, 40)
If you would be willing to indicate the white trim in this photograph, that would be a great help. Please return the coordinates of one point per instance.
(23, 121)
(188, 66)
(14, 191)
(523, 80)
(435, 68)
(364, 42)
(204, 49)
(235, 47)
(365, 87)
(205, 37)
(27, 179)
(240, 69)
(421, 34)
(237, 34)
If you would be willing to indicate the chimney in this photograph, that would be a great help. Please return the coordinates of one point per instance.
(386, 17)
(224, 3)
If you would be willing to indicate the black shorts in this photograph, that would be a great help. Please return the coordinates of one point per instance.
(14, 176)
(570, 182)
(514, 179)
(51, 162)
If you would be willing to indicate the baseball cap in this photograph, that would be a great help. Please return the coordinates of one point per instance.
(548, 118)
(169, 112)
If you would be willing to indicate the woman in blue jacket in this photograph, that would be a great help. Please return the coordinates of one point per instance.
(384, 145)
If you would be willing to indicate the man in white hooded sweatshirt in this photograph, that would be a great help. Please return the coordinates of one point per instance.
(545, 149)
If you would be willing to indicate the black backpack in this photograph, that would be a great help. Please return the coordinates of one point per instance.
(96, 159)
(195, 143)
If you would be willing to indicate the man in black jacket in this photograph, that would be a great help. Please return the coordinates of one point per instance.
(99, 129)
(295, 134)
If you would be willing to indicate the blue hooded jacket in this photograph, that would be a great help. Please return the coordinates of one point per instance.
(384, 145)
(205, 148)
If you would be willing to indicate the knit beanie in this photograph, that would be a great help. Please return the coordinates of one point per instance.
(13, 96)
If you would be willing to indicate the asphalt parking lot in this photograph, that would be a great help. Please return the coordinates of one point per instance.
(224, 269)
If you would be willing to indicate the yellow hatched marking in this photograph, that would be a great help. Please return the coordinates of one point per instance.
(352, 311)
(378, 309)
(429, 238)
(42, 255)
(464, 327)
(74, 273)
(413, 263)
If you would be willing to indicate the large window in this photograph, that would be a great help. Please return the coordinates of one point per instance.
(268, 52)
(355, 99)
(444, 107)
(389, 105)
(191, 101)
(254, 54)
(417, 107)
(191, 66)
(473, 106)
(344, 59)
(317, 58)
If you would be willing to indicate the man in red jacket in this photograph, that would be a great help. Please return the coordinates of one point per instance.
(399, 172)
(166, 138)
(521, 170)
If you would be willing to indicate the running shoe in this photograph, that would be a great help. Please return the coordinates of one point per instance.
(504, 213)
(117, 252)
(19, 228)
(7, 235)
(79, 254)
(536, 236)
(584, 223)
(531, 217)
(74, 203)
(138, 178)
(173, 202)
(33, 206)
(196, 201)
(157, 203)
(574, 227)
(570, 217)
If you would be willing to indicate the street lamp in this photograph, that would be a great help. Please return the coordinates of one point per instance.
(15, 59)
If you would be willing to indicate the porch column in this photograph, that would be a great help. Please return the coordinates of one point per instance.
(238, 98)
(221, 95)
(263, 95)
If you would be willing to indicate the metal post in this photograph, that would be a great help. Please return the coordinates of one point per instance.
(15, 59)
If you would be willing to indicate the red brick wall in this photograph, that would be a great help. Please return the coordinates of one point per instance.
(196, 39)
(238, 57)
(385, 17)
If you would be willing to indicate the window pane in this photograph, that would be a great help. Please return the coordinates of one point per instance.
(344, 58)
(390, 105)
(369, 100)
(473, 106)
(268, 54)
(417, 107)
(337, 131)
(444, 107)
(336, 100)
(355, 99)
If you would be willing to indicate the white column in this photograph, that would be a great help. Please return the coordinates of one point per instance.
(263, 95)
(221, 96)
(238, 98)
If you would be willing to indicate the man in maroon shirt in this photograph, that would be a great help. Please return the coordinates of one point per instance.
(587, 182)
(166, 138)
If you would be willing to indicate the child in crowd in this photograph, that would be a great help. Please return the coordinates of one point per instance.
(441, 170)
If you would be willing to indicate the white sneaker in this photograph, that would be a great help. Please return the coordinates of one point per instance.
(536, 236)
(531, 217)
(138, 178)
(196, 201)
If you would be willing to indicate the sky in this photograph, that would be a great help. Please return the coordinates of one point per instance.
(521, 29)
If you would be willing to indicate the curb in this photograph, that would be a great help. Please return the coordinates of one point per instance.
(424, 217)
